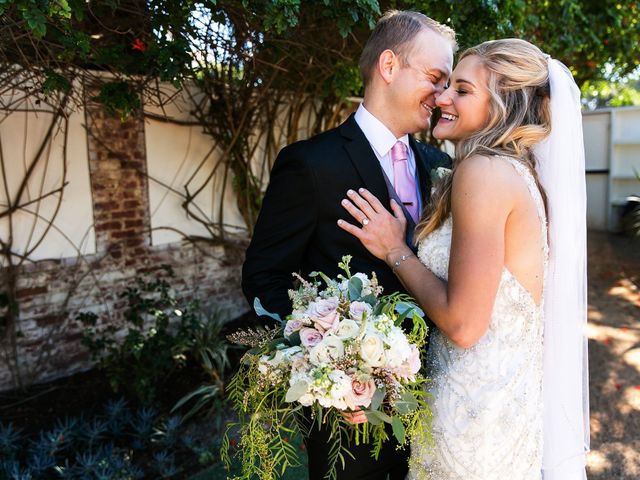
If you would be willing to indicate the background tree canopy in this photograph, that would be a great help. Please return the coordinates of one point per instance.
(261, 60)
(156, 37)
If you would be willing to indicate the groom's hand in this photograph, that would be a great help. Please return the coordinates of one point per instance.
(355, 417)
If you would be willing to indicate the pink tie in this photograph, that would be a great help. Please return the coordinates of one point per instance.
(403, 182)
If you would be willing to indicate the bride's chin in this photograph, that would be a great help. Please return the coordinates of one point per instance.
(439, 135)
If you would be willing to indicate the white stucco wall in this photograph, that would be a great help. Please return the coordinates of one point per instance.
(21, 135)
(178, 155)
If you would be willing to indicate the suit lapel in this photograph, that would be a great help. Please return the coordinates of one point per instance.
(422, 167)
(364, 160)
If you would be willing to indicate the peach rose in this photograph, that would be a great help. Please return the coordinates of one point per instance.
(361, 393)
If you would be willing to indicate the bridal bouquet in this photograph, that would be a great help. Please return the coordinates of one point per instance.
(342, 349)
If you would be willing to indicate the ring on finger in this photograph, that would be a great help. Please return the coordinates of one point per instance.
(365, 221)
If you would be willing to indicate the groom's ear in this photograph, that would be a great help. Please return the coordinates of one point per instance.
(388, 63)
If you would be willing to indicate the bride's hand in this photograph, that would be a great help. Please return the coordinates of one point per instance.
(381, 232)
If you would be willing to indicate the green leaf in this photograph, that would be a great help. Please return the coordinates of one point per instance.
(370, 299)
(406, 308)
(398, 429)
(355, 288)
(407, 403)
(376, 417)
(55, 82)
(260, 311)
(377, 398)
(294, 339)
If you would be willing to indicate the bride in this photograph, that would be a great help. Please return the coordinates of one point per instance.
(508, 296)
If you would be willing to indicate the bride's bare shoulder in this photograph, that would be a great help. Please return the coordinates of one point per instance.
(486, 175)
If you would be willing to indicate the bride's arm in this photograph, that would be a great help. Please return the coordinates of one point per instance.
(482, 198)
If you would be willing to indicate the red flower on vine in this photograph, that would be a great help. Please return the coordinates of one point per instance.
(139, 45)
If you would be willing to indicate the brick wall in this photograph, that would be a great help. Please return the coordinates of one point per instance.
(50, 293)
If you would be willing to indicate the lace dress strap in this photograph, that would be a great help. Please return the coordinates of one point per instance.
(526, 174)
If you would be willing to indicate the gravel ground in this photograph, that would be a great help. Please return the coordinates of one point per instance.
(614, 357)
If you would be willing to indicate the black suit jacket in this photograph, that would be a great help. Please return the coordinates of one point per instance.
(297, 231)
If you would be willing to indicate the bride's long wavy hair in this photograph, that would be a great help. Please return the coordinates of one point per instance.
(519, 117)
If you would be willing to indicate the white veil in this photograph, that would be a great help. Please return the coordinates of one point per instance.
(560, 166)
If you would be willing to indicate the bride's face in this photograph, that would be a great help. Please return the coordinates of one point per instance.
(465, 103)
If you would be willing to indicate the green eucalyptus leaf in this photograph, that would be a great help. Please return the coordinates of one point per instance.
(398, 429)
(370, 299)
(407, 308)
(260, 310)
(376, 417)
(377, 398)
(406, 404)
(355, 288)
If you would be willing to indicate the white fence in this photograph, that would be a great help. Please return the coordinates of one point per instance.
(612, 149)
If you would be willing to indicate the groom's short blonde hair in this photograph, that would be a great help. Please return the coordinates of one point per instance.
(395, 31)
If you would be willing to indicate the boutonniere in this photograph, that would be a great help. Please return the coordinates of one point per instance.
(437, 174)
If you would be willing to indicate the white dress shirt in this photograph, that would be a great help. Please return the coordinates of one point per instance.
(381, 140)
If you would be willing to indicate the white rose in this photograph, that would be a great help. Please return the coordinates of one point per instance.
(306, 400)
(346, 329)
(326, 402)
(358, 309)
(372, 350)
(329, 349)
(399, 350)
(393, 357)
(341, 384)
(278, 358)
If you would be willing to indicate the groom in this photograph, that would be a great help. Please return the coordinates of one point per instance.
(405, 64)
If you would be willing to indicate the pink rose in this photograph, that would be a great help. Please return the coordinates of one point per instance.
(292, 326)
(310, 337)
(361, 393)
(324, 313)
(358, 309)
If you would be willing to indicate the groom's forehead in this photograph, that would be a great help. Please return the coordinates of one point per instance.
(433, 51)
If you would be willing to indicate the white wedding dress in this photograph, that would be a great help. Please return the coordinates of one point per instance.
(487, 399)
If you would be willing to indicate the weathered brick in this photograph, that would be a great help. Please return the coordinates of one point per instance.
(30, 292)
(124, 234)
(123, 214)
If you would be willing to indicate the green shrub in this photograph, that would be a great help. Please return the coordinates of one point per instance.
(159, 335)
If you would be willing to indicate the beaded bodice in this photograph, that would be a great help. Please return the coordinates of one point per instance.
(487, 399)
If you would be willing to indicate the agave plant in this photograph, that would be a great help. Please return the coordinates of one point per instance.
(10, 439)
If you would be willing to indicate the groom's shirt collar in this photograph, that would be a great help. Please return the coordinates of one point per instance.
(378, 135)
(381, 140)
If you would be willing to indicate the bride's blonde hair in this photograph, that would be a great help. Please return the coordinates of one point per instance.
(519, 116)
